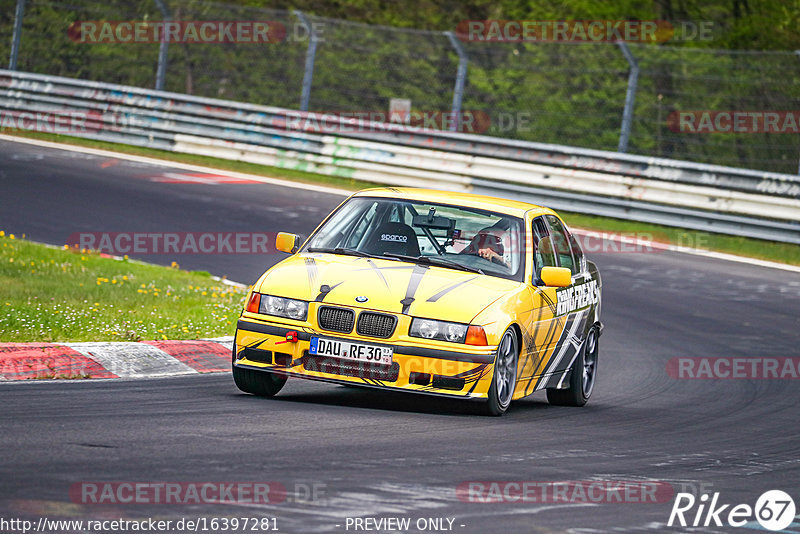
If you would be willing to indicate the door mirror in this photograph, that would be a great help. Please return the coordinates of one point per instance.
(556, 276)
(286, 242)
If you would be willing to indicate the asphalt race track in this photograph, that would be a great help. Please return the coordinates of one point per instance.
(370, 454)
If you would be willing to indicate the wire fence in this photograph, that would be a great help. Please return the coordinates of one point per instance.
(564, 93)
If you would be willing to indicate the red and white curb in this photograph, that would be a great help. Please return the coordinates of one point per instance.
(146, 359)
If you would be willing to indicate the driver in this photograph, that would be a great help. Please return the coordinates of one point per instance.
(488, 243)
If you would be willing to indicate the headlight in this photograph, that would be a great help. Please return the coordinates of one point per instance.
(282, 307)
(441, 330)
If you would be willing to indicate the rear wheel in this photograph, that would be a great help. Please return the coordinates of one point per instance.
(261, 383)
(582, 376)
(505, 374)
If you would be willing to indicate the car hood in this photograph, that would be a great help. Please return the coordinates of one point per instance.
(391, 286)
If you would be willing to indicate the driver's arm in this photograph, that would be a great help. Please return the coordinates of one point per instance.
(489, 254)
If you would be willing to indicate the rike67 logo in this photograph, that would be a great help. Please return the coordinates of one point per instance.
(774, 510)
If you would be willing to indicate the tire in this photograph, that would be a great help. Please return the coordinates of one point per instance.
(504, 377)
(583, 376)
(261, 383)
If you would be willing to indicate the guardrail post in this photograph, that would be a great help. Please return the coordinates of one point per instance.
(311, 54)
(161, 69)
(461, 78)
(630, 97)
(12, 60)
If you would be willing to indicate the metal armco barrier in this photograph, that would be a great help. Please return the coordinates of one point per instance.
(676, 193)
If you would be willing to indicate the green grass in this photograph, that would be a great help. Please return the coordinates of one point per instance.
(49, 294)
(755, 248)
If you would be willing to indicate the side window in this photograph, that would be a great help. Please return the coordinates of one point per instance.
(360, 227)
(560, 239)
(577, 253)
(543, 254)
(340, 229)
(399, 213)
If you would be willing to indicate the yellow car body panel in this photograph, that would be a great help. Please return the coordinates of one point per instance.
(386, 282)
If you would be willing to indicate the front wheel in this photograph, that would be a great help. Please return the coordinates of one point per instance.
(261, 383)
(582, 376)
(505, 374)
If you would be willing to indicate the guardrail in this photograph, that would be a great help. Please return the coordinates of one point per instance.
(670, 192)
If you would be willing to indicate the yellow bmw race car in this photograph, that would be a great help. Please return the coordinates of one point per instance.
(428, 292)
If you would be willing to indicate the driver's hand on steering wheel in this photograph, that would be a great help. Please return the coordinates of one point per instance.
(489, 254)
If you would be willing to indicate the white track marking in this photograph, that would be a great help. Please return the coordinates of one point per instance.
(132, 360)
(612, 236)
(186, 166)
(344, 192)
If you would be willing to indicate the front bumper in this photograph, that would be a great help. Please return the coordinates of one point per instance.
(262, 345)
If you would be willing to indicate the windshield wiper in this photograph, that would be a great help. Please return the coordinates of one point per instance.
(343, 251)
(455, 265)
(434, 260)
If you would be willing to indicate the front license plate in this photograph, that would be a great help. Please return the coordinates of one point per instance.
(346, 350)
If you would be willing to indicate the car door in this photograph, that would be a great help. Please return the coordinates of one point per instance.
(541, 329)
(561, 315)
(573, 303)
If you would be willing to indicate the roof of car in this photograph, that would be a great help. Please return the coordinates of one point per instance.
(467, 200)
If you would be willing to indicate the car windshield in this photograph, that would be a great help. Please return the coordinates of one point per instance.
(433, 234)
